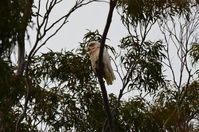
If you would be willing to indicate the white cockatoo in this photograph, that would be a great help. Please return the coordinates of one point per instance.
(93, 51)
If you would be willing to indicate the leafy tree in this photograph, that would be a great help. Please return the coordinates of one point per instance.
(58, 91)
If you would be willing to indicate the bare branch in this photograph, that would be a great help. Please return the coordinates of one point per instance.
(43, 25)
(181, 39)
(60, 22)
(100, 70)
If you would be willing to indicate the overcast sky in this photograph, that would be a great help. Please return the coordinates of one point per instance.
(92, 17)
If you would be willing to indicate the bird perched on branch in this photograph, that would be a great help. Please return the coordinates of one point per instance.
(93, 50)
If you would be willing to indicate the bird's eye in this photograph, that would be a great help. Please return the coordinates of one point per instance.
(92, 44)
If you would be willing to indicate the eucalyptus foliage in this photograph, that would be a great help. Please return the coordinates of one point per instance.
(64, 94)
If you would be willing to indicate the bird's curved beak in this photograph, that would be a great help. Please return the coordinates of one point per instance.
(87, 50)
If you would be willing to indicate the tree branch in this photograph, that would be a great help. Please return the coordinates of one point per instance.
(100, 70)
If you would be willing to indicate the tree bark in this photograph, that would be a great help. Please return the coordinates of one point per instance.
(101, 67)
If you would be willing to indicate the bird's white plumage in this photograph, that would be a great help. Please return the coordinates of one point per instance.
(93, 50)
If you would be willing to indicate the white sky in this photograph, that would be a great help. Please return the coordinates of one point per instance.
(92, 17)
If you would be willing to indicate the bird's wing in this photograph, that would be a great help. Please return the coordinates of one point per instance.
(108, 71)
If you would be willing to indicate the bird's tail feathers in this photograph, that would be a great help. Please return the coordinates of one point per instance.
(109, 77)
